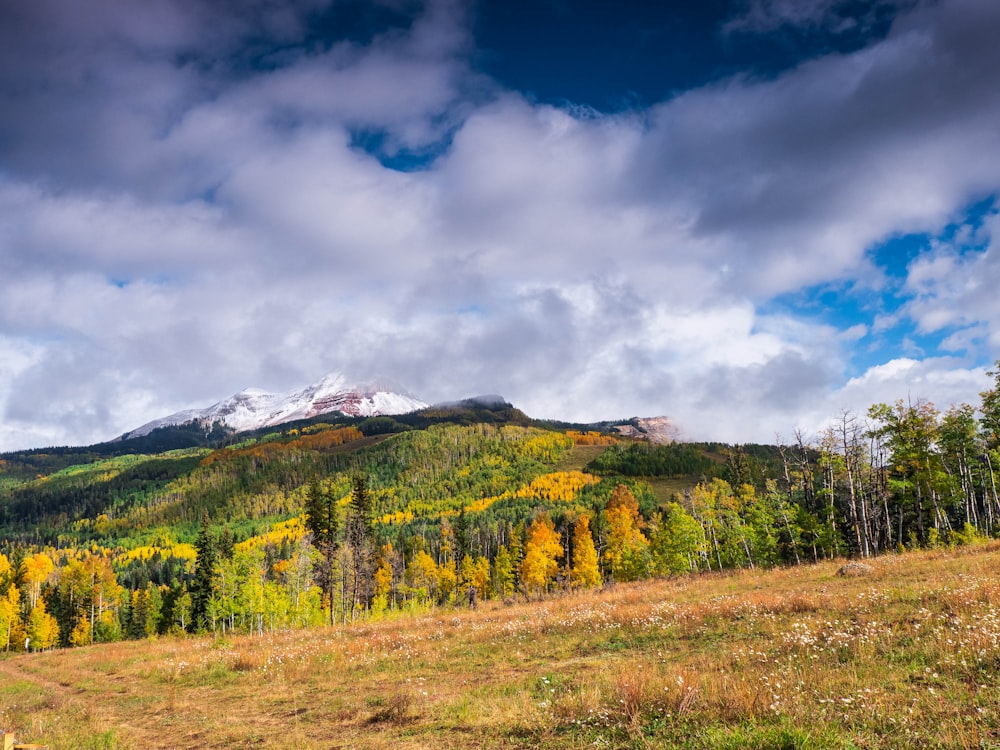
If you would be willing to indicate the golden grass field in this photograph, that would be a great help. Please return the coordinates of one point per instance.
(908, 656)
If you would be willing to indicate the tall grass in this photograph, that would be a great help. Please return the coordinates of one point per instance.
(908, 656)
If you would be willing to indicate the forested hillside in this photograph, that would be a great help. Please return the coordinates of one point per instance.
(338, 519)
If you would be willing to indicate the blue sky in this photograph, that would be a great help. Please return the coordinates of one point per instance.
(747, 215)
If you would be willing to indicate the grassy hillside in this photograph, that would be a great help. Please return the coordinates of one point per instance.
(907, 656)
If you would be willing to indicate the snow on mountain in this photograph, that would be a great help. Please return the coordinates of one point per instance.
(252, 408)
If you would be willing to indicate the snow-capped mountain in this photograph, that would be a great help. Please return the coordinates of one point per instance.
(252, 409)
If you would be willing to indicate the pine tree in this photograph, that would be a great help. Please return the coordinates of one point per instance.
(138, 615)
(323, 523)
(205, 567)
(359, 539)
(226, 544)
(461, 529)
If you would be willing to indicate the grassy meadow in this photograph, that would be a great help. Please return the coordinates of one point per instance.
(906, 656)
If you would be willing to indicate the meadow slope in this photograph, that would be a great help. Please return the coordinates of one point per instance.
(907, 656)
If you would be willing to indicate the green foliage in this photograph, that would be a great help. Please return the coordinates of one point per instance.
(677, 542)
(46, 507)
(645, 460)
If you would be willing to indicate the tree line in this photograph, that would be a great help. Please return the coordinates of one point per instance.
(454, 515)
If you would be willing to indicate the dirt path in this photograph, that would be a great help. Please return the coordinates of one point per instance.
(60, 704)
(10, 668)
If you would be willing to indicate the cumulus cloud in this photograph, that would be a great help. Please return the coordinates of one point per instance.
(189, 206)
(954, 287)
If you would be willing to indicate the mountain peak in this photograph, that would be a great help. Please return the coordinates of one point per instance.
(253, 408)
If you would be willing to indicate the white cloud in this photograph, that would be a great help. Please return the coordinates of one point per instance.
(955, 288)
(172, 233)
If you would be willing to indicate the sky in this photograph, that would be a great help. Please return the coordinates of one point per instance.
(746, 215)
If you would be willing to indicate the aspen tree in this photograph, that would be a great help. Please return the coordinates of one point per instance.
(626, 548)
(42, 628)
(542, 551)
(585, 572)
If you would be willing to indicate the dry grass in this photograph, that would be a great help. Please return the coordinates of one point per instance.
(908, 656)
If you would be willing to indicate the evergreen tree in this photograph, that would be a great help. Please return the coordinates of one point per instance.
(138, 615)
(359, 539)
(461, 529)
(323, 523)
(205, 568)
(226, 544)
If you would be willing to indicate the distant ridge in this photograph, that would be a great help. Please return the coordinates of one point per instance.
(487, 401)
(252, 409)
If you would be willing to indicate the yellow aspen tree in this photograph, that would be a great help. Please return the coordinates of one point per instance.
(422, 575)
(503, 572)
(481, 575)
(81, 635)
(382, 581)
(465, 570)
(585, 572)
(447, 565)
(447, 582)
(37, 568)
(625, 554)
(383, 573)
(475, 574)
(10, 618)
(42, 628)
(542, 551)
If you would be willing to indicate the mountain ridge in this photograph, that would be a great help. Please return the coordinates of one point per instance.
(253, 408)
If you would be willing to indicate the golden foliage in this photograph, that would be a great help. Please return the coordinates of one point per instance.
(37, 569)
(558, 486)
(486, 502)
(42, 628)
(398, 518)
(422, 573)
(585, 572)
(263, 451)
(591, 438)
(541, 554)
(181, 550)
(291, 530)
(626, 547)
